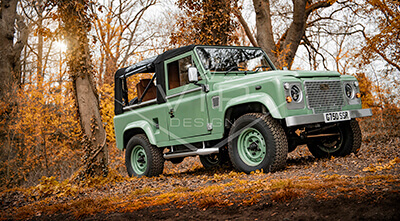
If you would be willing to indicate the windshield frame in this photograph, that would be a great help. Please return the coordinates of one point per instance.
(232, 71)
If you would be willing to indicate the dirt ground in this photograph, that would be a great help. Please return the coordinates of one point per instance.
(370, 207)
(363, 186)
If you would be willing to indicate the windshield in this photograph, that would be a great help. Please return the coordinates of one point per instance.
(233, 59)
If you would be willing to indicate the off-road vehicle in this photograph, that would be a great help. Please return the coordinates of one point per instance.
(228, 103)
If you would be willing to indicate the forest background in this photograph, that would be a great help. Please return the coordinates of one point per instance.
(46, 46)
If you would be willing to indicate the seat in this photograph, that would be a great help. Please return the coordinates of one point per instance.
(151, 92)
(173, 75)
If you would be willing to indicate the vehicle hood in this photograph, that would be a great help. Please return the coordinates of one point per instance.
(231, 79)
(306, 74)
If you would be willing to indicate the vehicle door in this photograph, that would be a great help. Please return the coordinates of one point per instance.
(186, 102)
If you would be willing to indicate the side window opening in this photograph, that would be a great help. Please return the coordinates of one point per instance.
(136, 85)
(151, 92)
(173, 75)
(178, 72)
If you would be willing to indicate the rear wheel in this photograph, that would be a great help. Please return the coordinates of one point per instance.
(345, 139)
(142, 158)
(257, 142)
(177, 160)
(215, 160)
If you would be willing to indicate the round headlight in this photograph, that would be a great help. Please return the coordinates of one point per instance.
(295, 93)
(349, 91)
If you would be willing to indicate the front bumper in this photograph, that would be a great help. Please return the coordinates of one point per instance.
(319, 118)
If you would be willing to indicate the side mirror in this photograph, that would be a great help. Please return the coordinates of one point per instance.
(192, 75)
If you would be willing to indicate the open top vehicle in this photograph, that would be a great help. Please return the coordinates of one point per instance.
(228, 103)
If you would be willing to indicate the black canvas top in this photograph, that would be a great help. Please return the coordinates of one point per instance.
(148, 65)
(151, 65)
(145, 66)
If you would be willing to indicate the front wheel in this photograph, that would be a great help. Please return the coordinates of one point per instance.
(257, 142)
(142, 158)
(345, 139)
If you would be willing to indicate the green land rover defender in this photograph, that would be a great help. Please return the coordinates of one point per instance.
(228, 103)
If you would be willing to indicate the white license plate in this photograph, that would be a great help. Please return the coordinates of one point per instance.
(336, 116)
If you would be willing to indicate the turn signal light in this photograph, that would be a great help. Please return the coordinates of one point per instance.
(358, 95)
(289, 99)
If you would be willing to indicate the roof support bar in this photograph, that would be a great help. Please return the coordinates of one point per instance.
(146, 89)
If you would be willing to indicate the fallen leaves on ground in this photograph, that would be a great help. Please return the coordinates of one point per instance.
(373, 170)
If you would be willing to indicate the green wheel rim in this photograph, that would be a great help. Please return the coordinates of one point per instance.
(251, 147)
(139, 160)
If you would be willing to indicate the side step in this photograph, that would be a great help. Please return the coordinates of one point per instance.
(204, 151)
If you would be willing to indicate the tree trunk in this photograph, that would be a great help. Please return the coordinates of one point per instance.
(282, 53)
(10, 46)
(76, 26)
(110, 69)
(287, 48)
(264, 35)
(40, 43)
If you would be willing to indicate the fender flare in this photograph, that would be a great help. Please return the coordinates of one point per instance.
(262, 98)
(141, 125)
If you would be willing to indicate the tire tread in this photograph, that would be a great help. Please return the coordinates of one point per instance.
(278, 134)
(157, 160)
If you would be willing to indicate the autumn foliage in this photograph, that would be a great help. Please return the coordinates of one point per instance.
(40, 136)
(207, 22)
(40, 130)
(384, 42)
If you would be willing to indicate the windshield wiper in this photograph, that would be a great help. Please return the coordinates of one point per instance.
(262, 66)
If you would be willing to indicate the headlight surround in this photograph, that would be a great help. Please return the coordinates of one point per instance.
(349, 91)
(296, 93)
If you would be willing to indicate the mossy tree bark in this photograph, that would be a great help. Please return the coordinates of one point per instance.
(76, 26)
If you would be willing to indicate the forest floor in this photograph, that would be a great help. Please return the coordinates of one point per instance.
(362, 186)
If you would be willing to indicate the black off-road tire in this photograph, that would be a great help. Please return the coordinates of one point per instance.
(152, 156)
(177, 160)
(215, 160)
(267, 138)
(348, 141)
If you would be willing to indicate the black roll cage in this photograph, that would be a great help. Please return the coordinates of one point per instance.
(150, 65)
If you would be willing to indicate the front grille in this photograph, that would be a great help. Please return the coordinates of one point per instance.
(324, 96)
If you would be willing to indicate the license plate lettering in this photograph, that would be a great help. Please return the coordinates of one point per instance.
(336, 116)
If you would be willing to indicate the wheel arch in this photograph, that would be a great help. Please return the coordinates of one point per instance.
(234, 112)
(259, 103)
(256, 99)
(138, 127)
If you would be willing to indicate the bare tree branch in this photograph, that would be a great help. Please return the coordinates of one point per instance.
(246, 28)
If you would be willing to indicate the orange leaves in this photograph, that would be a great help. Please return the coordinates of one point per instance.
(207, 22)
(366, 89)
(117, 194)
(50, 186)
(384, 41)
(383, 126)
(286, 194)
(282, 57)
(43, 134)
(107, 109)
(380, 166)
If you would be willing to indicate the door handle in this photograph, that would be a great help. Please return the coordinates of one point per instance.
(171, 113)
